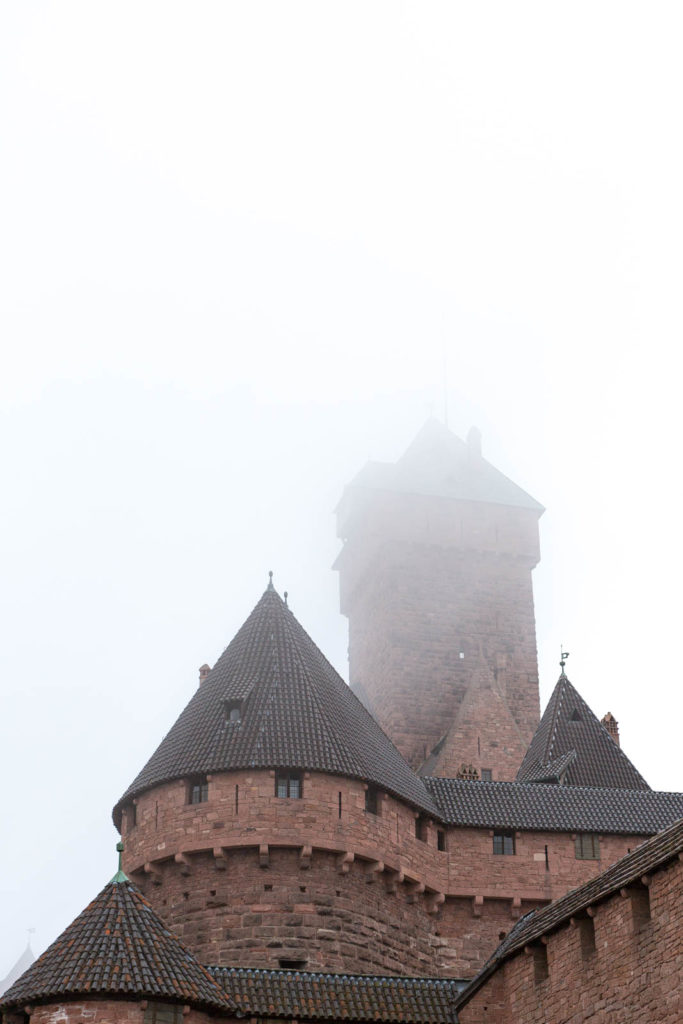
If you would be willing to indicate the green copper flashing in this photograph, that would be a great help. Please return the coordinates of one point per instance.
(120, 876)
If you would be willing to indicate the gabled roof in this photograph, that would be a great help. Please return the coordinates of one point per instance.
(118, 948)
(540, 807)
(437, 462)
(303, 995)
(647, 858)
(568, 724)
(297, 712)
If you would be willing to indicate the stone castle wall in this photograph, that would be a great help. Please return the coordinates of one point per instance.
(246, 878)
(439, 598)
(624, 963)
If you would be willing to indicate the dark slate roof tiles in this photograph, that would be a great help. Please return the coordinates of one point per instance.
(297, 713)
(117, 947)
(650, 856)
(301, 995)
(553, 808)
(569, 724)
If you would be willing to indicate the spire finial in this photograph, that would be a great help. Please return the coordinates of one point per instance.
(286, 595)
(563, 658)
(120, 876)
(270, 581)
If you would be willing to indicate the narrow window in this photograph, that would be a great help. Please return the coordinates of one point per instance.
(237, 799)
(131, 816)
(440, 839)
(421, 828)
(486, 775)
(340, 803)
(587, 936)
(640, 906)
(293, 965)
(587, 846)
(198, 790)
(540, 955)
(163, 1013)
(371, 803)
(288, 785)
(504, 844)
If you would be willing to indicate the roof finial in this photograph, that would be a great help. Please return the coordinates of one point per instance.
(120, 876)
(286, 596)
(270, 581)
(563, 658)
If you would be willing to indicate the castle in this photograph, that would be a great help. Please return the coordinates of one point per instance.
(297, 849)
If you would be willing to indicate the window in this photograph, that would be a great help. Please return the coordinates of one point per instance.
(587, 936)
(293, 965)
(587, 846)
(486, 775)
(540, 955)
(421, 828)
(440, 840)
(163, 1013)
(504, 843)
(371, 803)
(233, 711)
(288, 784)
(131, 816)
(198, 790)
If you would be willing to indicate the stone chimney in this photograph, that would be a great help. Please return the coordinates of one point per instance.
(203, 673)
(610, 723)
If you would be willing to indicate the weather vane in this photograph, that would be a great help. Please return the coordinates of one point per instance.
(563, 658)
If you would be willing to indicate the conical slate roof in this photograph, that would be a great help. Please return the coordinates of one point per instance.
(296, 712)
(569, 726)
(120, 949)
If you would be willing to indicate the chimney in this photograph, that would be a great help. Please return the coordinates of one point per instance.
(203, 673)
(610, 723)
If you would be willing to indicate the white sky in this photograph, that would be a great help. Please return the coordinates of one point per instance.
(236, 241)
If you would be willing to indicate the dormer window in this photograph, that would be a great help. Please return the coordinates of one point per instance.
(198, 790)
(233, 711)
(288, 785)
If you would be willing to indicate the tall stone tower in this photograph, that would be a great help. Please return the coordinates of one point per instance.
(435, 578)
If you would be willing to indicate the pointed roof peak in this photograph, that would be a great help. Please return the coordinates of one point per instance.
(120, 875)
(295, 712)
(117, 946)
(568, 724)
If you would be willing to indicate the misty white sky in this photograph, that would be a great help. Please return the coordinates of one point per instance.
(237, 241)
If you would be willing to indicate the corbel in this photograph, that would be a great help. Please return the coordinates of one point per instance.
(263, 856)
(515, 907)
(305, 857)
(181, 859)
(393, 880)
(415, 889)
(186, 1010)
(344, 862)
(220, 860)
(477, 905)
(646, 880)
(434, 902)
(374, 868)
(150, 870)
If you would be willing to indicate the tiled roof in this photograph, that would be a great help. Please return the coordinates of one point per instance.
(554, 771)
(301, 995)
(569, 724)
(297, 712)
(650, 856)
(119, 948)
(437, 462)
(552, 808)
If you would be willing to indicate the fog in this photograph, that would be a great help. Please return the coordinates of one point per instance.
(247, 246)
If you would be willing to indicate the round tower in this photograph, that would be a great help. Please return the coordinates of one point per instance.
(277, 826)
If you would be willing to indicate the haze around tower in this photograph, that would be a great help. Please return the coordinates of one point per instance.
(245, 248)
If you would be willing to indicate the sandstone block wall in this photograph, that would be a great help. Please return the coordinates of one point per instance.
(248, 878)
(438, 595)
(101, 1011)
(630, 971)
